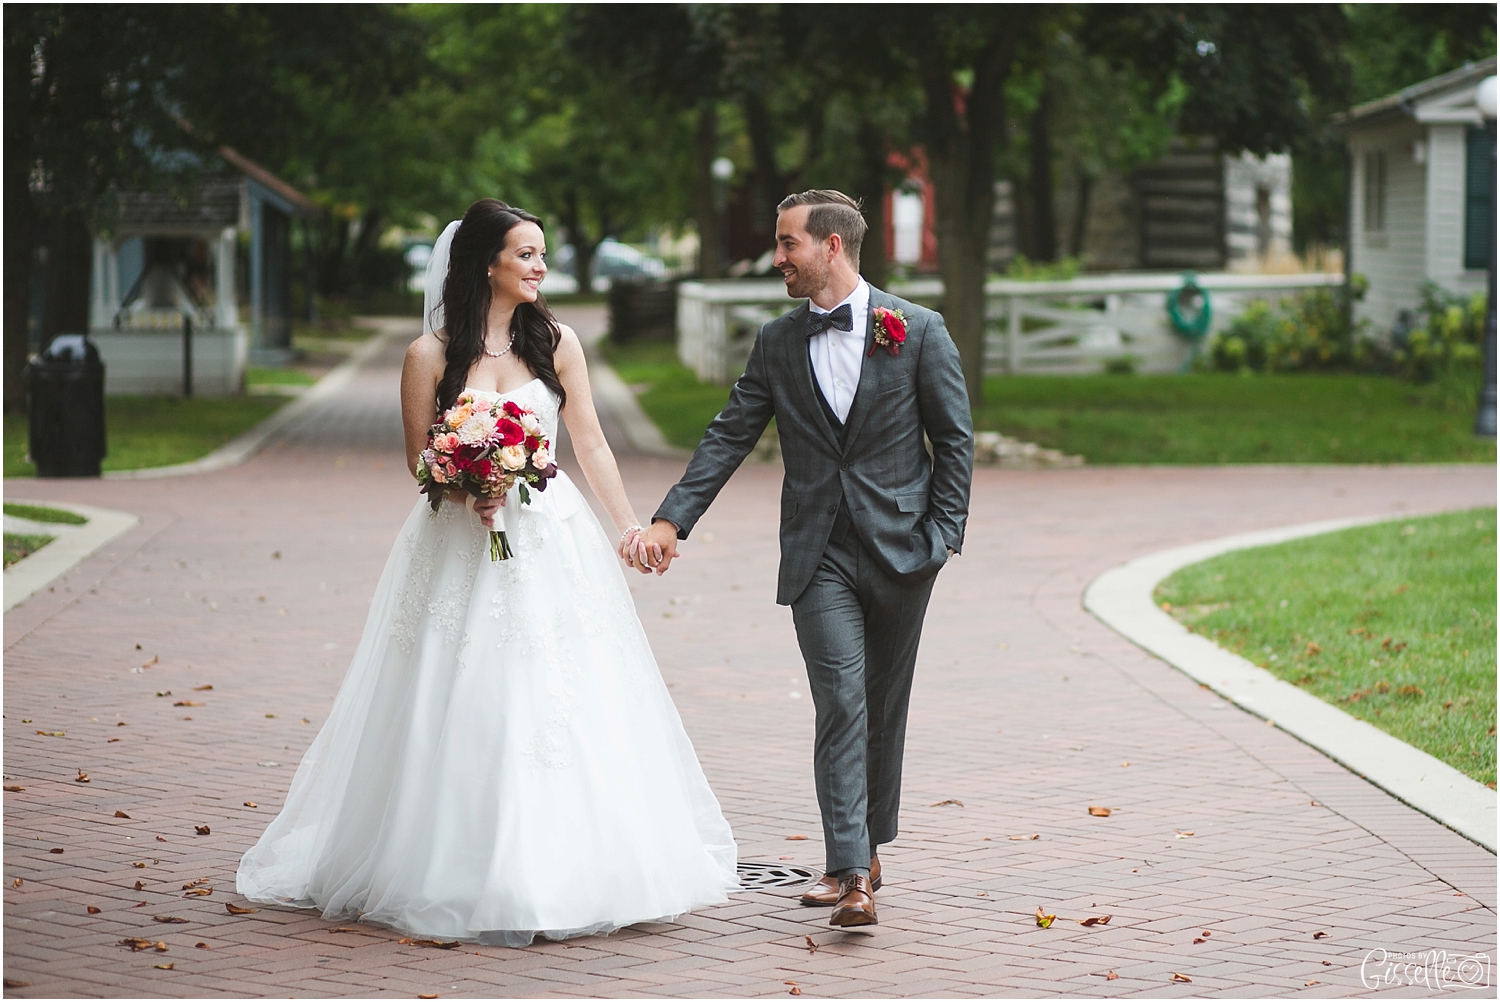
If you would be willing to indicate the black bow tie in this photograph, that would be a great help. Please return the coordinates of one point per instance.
(842, 318)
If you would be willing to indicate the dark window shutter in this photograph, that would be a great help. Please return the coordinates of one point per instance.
(1479, 214)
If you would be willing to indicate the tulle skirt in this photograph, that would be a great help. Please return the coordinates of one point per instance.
(503, 759)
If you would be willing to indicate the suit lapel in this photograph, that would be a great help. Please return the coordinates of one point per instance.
(870, 372)
(797, 358)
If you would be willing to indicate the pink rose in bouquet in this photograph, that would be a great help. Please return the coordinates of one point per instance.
(485, 449)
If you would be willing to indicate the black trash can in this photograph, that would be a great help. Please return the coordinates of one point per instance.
(66, 389)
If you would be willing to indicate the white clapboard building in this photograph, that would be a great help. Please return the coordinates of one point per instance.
(219, 257)
(1420, 200)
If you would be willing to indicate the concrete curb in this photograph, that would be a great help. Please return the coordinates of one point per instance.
(247, 444)
(1121, 598)
(25, 578)
(611, 394)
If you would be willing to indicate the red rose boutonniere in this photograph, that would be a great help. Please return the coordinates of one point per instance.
(890, 330)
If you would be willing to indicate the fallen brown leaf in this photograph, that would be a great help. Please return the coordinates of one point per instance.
(139, 866)
(811, 946)
(796, 838)
(164, 967)
(1111, 976)
(140, 904)
(1320, 934)
(195, 883)
(169, 918)
(1043, 920)
(56, 852)
(251, 803)
(947, 803)
(15, 789)
(160, 839)
(794, 990)
(235, 909)
(122, 814)
(155, 659)
(112, 741)
(1206, 934)
(83, 777)
(16, 983)
(1025, 838)
(345, 928)
(1184, 834)
(140, 886)
(203, 946)
(202, 688)
(1199, 939)
(1309, 984)
(434, 944)
(137, 944)
(1181, 977)
(94, 910)
(1095, 920)
(1099, 812)
(202, 829)
(17, 882)
(198, 892)
(188, 702)
(431, 995)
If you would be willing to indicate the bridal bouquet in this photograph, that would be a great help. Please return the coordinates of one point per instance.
(485, 449)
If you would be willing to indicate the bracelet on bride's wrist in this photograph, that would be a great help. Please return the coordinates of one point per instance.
(628, 531)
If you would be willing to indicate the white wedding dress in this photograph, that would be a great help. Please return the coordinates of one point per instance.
(503, 760)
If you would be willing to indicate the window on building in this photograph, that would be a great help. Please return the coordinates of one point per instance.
(1479, 182)
(1375, 191)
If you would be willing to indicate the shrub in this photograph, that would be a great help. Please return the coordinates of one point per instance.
(1306, 333)
(1445, 341)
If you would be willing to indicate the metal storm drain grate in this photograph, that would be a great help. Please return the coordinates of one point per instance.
(761, 875)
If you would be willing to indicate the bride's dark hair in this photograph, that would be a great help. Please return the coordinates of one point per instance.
(477, 242)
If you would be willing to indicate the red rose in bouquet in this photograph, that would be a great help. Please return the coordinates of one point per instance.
(485, 449)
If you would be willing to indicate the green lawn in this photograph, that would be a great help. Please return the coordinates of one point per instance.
(680, 405)
(156, 431)
(37, 513)
(1177, 419)
(18, 546)
(278, 377)
(1393, 623)
(1214, 418)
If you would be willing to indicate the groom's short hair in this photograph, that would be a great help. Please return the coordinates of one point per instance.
(832, 212)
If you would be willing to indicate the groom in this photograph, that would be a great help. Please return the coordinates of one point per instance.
(854, 379)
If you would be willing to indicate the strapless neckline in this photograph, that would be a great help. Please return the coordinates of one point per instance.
(497, 393)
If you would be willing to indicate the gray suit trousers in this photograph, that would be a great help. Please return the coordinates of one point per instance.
(858, 628)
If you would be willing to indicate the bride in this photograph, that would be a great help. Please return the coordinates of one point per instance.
(503, 760)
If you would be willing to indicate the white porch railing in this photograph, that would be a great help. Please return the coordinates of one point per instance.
(1074, 326)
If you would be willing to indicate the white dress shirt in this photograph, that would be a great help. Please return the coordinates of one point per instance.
(838, 355)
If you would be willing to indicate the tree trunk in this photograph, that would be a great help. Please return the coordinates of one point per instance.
(20, 211)
(1080, 215)
(873, 170)
(765, 179)
(1043, 217)
(961, 158)
(705, 209)
(69, 264)
(20, 241)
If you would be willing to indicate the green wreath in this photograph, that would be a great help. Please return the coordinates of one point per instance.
(1196, 323)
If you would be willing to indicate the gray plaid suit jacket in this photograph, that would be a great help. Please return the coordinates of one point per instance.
(908, 508)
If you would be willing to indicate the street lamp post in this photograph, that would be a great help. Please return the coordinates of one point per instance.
(1484, 421)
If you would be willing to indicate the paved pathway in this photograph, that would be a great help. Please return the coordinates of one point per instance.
(255, 581)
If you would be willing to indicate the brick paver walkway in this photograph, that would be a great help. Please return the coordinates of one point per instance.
(255, 580)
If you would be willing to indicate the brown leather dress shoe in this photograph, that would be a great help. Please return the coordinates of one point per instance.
(856, 903)
(824, 892)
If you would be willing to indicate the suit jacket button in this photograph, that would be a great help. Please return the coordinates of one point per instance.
(844, 467)
(832, 508)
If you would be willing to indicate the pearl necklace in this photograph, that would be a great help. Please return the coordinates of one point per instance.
(501, 354)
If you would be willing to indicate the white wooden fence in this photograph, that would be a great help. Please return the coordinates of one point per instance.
(1074, 326)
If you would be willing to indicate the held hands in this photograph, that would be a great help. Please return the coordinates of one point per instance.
(636, 552)
(650, 549)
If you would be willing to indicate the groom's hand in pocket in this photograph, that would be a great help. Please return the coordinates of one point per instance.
(661, 539)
